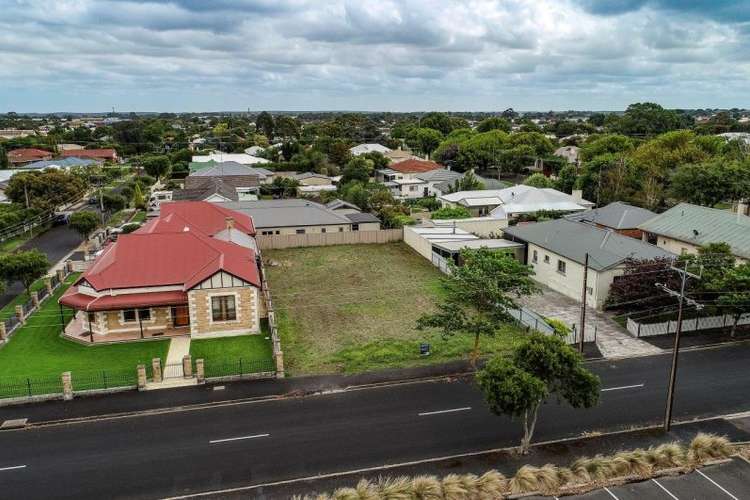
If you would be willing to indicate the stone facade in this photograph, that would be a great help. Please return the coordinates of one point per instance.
(201, 318)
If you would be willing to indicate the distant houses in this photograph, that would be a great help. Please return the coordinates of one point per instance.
(23, 156)
(618, 216)
(219, 157)
(105, 154)
(515, 200)
(369, 148)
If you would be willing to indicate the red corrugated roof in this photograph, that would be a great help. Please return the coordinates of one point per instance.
(414, 166)
(183, 258)
(206, 217)
(80, 301)
(28, 154)
(109, 154)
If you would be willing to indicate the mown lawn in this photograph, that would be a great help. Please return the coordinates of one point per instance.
(36, 351)
(246, 353)
(354, 308)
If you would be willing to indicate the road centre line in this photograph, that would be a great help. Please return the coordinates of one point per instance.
(636, 386)
(15, 467)
(452, 410)
(665, 490)
(240, 438)
(717, 485)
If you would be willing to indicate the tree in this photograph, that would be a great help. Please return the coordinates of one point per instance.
(733, 293)
(437, 121)
(566, 179)
(157, 166)
(451, 213)
(84, 223)
(3, 158)
(264, 123)
(287, 127)
(469, 182)
(482, 151)
(711, 182)
(358, 169)
(45, 190)
(493, 123)
(425, 140)
(539, 180)
(636, 288)
(113, 202)
(479, 293)
(25, 267)
(540, 367)
(138, 200)
(648, 118)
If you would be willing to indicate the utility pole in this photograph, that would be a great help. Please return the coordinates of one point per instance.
(676, 351)
(583, 301)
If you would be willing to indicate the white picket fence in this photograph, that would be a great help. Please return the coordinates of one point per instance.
(688, 325)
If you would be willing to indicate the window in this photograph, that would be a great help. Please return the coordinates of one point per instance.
(222, 308)
(561, 266)
(322, 230)
(128, 316)
(413, 188)
(589, 290)
(144, 314)
(535, 257)
(355, 227)
(341, 230)
(278, 232)
(267, 232)
(300, 231)
(546, 259)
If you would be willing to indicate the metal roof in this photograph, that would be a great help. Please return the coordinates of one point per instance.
(702, 225)
(617, 215)
(287, 213)
(362, 217)
(229, 168)
(440, 175)
(455, 246)
(573, 240)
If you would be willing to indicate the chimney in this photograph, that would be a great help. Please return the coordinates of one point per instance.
(577, 195)
(230, 222)
(742, 208)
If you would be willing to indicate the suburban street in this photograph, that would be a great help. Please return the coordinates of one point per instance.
(232, 445)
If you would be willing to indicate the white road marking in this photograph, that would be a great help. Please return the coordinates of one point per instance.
(219, 387)
(452, 410)
(611, 494)
(240, 438)
(717, 485)
(15, 467)
(665, 490)
(623, 387)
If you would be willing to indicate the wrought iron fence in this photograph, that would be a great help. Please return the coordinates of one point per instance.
(103, 379)
(42, 293)
(54, 281)
(26, 387)
(238, 368)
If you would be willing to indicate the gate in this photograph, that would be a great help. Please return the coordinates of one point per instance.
(173, 371)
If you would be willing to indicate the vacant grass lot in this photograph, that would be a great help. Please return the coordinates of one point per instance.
(37, 352)
(353, 308)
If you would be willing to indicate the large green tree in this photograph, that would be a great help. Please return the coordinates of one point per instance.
(493, 123)
(265, 124)
(424, 140)
(24, 266)
(84, 223)
(711, 182)
(157, 166)
(732, 294)
(478, 295)
(45, 190)
(540, 367)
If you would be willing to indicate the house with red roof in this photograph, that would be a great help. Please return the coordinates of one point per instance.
(403, 180)
(22, 156)
(105, 154)
(194, 271)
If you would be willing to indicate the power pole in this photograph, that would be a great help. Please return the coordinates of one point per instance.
(583, 301)
(676, 351)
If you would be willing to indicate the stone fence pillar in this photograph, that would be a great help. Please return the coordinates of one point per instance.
(60, 275)
(48, 285)
(156, 367)
(19, 313)
(67, 386)
(187, 366)
(200, 371)
(141, 370)
(35, 298)
(279, 364)
(3, 333)
(69, 265)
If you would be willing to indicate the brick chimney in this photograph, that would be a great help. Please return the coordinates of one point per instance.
(230, 222)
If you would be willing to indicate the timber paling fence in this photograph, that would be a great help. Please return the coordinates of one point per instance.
(688, 325)
(278, 241)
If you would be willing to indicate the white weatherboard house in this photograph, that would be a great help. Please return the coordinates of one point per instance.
(362, 149)
(515, 200)
(556, 250)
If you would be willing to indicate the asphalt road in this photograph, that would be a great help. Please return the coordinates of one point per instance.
(242, 444)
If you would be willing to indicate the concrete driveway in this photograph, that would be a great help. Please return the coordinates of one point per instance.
(613, 340)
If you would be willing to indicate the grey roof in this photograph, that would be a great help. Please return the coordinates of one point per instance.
(573, 240)
(361, 218)
(230, 168)
(336, 204)
(489, 183)
(308, 175)
(213, 186)
(491, 243)
(616, 215)
(439, 175)
(702, 225)
(287, 213)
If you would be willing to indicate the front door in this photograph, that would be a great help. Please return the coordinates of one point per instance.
(180, 316)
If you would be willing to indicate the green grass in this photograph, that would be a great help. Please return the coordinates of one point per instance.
(230, 349)
(354, 308)
(119, 218)
(13, 244)
(37, 351)
(9, 309)
(139, 217)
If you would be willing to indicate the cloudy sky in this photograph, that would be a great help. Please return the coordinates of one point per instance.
(400, 55)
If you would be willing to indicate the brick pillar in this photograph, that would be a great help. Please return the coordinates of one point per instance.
(200, 371)
(67, 386)
(35, 298)
(48, 285)
(60, 275)
(69, 265)
(156, 367)
(279, 364)
(19, 313)
(187, 366)
(3, 333)
(141, 370)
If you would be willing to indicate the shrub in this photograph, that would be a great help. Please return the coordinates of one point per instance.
(451, 213)
(708, 447)
(561, 329)
(432, 204)
(427, 488)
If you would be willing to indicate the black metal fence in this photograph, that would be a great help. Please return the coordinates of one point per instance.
(238, 368)
(26, 387)
(103, 379)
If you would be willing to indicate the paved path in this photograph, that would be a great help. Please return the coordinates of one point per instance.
(613, 340)
(225, 446)
(179, 347)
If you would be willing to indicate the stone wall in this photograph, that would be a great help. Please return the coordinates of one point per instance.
(201, 320)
